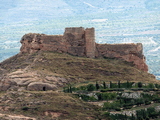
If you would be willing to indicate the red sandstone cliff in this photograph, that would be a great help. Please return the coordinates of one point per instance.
(81, 42)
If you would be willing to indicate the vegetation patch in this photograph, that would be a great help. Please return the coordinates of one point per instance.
(119, 98)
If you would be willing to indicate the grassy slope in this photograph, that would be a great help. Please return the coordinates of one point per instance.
(47, 106)
(77, 68)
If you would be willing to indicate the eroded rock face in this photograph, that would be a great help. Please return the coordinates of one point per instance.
(40, 86)
(24, 80)
(81, 42)
(6, 84)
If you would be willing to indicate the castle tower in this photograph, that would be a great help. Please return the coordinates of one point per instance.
(75, 40)
(90, 42)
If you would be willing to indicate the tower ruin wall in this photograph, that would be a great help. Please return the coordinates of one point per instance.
(90, 42)
(81, 42)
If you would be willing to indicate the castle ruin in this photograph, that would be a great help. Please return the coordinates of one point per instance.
(78, 41)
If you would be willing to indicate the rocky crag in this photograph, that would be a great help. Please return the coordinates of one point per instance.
(78, 41)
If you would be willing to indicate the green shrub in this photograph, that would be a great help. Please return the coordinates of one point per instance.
(106, 114)
(111, 106)
(157, 85)
(87, 98)
(83, 87)
(118, 109)
(118, 89)
(146, 90)
(119, 117)
(106, 90)
(106, 96)
(139, 101)
(91, 87)
(127, 84)
(147, 102)
(150, 85)
(127, 107)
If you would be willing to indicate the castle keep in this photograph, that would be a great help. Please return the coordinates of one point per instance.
(81, 42)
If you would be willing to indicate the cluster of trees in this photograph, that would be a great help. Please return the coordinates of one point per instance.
(106, 92)
(119, 101)
(89, 87)
(121, 85)
(128, 103)
(142, 114)
(103, 87)
(103, 94)
(147, 113)
(106, 96)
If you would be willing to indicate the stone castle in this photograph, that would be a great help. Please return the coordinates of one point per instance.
(78, 41)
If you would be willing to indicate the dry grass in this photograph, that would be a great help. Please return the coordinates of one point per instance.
(78, 69)
(47, 106)
(50, 105)
(85, 69)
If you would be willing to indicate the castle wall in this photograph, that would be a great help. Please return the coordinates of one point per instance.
(81, 42)
(53, 43)
(34, 42)
(75, 41)
(90, 42)
(128, 52)
(121, 49)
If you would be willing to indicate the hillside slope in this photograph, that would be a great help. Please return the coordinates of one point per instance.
(45, 105)
(53, 70)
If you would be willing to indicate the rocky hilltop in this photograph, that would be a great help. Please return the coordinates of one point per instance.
(34, 84)
(50, 62)
(78, 41)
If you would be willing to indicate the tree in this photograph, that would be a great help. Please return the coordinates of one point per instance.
(111, 85)
(104, 85)
(132, 117)
(150, 85)
(140, 101)
(127, 84)
(156, 85)
(90, 87)
(70, 89)
(119, 84)
(97, 86)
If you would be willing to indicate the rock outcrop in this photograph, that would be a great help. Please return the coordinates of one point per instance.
(40, 86)
(25, 80)
(81, 42)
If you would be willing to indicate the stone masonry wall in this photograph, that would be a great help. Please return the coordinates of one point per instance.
(90, 42)
(75, 41)
(128, 52)
(81, 42)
